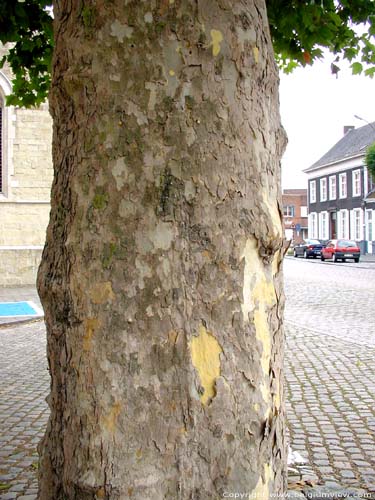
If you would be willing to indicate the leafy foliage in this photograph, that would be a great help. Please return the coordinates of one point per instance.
(300, 29)
(27, 27)
(370, 160)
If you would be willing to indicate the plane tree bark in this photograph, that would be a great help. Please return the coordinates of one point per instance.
(161, 276)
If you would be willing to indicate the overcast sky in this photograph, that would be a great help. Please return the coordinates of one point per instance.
(315, 106)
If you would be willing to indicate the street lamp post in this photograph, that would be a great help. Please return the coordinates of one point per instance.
(363, 120)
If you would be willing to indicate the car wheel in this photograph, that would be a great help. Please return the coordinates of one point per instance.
(322, 258)
(344, 260)
(334, 258)
(305, 256)
(356, 260)
(295, 254)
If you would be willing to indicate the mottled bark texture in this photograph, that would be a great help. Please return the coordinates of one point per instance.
(161, 275)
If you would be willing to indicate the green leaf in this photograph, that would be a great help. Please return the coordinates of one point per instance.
(357, 68)
(370, 72)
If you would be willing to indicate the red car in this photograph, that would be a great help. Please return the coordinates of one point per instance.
(341, 250)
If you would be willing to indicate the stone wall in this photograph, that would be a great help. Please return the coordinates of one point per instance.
(27, 178)
(19, 266)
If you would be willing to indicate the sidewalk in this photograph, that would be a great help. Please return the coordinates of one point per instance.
(19, 294)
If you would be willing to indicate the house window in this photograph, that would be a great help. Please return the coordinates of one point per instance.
(356, 177)
(303, 211)
(342, 187)
(343, 224)
(356, 232)
(312, 191)
(369, 227)
(323, 189)
(289, 211)
(332, 187)
(323, 225)
(313, 226)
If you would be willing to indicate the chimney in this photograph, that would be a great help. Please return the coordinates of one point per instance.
(348, 128)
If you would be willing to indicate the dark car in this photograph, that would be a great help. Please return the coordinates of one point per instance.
(341, 250)
(324, 242)
(308, 248)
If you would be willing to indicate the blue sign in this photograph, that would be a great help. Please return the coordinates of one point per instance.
(298, 227)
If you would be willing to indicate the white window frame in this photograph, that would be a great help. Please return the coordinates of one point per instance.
(356, 182)
(289, 213)
(343, 193)
(343, 224)
(313, 225)
(7, 137)
(323, 189)
(312, 192)
(370, 219)
(356, 224)
(332, 187)
(323, 225)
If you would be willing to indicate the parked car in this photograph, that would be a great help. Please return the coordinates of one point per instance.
(341, 250)
(324, 242)
(308, 248)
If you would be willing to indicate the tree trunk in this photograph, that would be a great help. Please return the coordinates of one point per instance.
(161, 277)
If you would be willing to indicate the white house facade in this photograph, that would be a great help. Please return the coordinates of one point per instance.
(341, 192)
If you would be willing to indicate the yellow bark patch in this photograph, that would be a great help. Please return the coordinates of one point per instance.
(262, 489)
(216, 39)
(258, 296)
(205, 354)
(256, 54)
(100, 493)
(91, 324)
(101, 293)
(171, 72)
(110, 420)
(262, 333)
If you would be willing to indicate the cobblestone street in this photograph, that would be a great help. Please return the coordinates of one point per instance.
(330, 368)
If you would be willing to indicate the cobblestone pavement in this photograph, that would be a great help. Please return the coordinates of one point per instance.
(330, 362)
(330, 368)
(23, 410)
(332, 299)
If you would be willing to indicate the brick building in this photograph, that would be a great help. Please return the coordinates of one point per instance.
(25, 183)
(295, 214)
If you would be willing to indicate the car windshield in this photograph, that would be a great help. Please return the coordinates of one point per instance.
(347, 244)
(313, 242)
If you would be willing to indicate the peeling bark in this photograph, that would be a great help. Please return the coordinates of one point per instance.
(161, 276)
